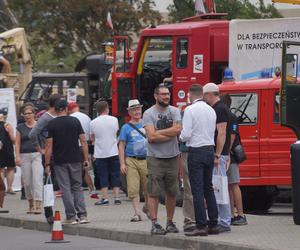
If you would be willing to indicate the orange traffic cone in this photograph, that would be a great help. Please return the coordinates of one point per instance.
(57, 232)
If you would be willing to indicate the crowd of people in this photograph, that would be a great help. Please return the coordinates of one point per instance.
(148, 150)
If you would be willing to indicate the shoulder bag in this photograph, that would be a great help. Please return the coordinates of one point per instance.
(137, 129)
(238, 151)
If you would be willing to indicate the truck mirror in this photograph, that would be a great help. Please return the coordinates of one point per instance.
(291, 67)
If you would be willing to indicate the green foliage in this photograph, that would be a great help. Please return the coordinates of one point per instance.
(181, 9)
(60, 29)
(236, 9)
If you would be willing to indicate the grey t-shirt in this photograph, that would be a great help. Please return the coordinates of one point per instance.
(162, 120)
(39, 133)
(26, 144)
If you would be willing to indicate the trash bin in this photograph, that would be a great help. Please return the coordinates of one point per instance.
(295, 171)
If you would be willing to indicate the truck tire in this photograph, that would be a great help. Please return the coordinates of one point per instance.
(258, 199)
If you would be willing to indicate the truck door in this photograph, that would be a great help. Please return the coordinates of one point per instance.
(122, 80)
(275, 141)
(246, 106)
(181, 70)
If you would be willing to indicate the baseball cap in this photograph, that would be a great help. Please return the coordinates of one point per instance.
(210, 88)
(133, 104)
(72, 105)
(61, 105)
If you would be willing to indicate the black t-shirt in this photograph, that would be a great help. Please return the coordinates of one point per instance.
(223, 115)
(65, 131)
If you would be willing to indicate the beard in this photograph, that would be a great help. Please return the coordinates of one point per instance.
(163, 104)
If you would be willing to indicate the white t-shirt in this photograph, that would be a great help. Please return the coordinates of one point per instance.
(105, 128)
(85, 121)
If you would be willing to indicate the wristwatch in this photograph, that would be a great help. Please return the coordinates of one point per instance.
(217, 156)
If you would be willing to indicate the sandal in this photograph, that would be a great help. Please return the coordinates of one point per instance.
(146, 211)
(136, 218)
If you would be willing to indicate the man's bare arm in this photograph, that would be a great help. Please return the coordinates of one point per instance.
(84, 147)
(221, 128)
(48, 153)
(172, 131)
(154, 136)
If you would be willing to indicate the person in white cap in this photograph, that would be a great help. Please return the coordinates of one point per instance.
(132, 153)
(222, 143)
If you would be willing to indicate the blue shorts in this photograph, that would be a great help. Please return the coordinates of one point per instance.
(108, 170)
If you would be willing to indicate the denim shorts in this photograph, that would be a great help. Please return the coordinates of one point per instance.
(108, 170)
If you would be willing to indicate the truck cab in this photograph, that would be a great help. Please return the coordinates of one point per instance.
(195, 51)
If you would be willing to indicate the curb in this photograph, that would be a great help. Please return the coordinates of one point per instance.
(169, 241)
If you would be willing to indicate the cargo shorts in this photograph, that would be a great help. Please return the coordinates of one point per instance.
(162, 175)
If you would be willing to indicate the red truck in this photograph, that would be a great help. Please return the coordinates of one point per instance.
(196, 51)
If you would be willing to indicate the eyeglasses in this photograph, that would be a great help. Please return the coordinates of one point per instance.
(164, 94)
(28, 113)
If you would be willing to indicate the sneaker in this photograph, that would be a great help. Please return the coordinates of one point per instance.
(232, 220)
(84, 220)
(171, 227)
(223, 229)
(240, 221)
(11, 192)
(189, 227)
(157, 229)
(71, 221)
(118, 201)
(146, 211)
(102, 202)
(94, 196)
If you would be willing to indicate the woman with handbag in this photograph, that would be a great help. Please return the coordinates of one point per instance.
(237, 155)
(7, 158)
(30, 161)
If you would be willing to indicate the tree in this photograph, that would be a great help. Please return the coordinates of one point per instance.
(236, 9)
(79, 26)
(7, 17)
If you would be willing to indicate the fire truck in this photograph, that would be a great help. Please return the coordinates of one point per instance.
(198, 51)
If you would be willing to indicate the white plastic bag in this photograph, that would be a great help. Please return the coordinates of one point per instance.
(220, 185)
(48, 193)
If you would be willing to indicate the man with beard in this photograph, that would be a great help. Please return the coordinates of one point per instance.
(162, 123)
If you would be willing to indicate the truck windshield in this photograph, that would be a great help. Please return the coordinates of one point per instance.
(245, 106)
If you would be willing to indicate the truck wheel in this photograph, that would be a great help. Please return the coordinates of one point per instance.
(258, 199)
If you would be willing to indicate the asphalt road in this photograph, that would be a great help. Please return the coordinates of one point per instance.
(21, 239)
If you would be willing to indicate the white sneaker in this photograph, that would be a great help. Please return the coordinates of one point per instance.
(84, 220)
(71, 221)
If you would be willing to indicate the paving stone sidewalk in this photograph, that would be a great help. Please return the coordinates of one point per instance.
(112, 222)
